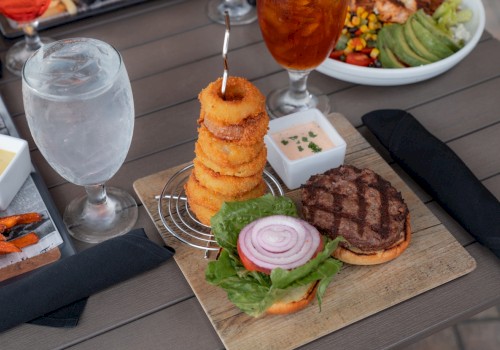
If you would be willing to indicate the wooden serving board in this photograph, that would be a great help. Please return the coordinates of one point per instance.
(433, 258)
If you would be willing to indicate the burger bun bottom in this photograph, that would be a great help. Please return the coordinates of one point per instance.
(298, 299)
(379, 257)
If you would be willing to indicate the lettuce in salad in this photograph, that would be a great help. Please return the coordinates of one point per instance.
(449, 14)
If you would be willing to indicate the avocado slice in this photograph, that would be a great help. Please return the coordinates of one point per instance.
(415, 43)
(386, 57)
(432, 42)
(396, 41)
(429, 23)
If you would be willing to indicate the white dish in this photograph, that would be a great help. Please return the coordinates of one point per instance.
(296, 172)
(17, 170)
(400, 76)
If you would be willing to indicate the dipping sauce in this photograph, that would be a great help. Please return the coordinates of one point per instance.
(5, 158)
(302, 140)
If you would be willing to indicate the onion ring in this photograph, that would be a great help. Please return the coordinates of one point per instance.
(243, 99)
(203, 214)
(278, 241)
(243, 170)
(198, 194)
(228, 153)
(250, 131)
(226, 185)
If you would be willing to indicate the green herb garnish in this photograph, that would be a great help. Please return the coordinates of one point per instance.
(311, 134)
(284, 142)
(314, 147)
(300, 148)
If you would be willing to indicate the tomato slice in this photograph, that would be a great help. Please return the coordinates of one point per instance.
(358, 59)
(335, 54)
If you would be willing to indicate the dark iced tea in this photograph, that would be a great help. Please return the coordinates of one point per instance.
(300, 34)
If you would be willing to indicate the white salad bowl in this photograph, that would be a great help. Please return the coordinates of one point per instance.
(400, 76)
(296, 172)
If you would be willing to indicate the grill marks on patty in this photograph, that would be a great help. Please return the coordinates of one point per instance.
(356, 203)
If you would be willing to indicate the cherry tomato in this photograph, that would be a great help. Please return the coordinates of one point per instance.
(335, 54)
(358, 59)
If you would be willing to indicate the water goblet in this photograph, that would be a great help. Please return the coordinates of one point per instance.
(240, 11)
(80, 110)
(25, 13)
(300, 34)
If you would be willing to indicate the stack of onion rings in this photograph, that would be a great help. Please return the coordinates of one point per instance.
(230, 151)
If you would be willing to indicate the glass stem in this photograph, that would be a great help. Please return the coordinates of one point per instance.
(32, 39)
(298, 85)
(96, 194)
(236, 7)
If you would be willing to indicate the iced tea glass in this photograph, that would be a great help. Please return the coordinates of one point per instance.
(300, 34)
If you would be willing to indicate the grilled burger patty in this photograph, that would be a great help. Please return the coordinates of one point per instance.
(357, 204)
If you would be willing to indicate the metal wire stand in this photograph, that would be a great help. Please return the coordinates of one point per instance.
(181, 222)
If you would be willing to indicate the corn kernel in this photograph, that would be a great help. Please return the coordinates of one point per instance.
(357, 44)
(355, 20)
(372, 17)
(364, 28)
(374, 53)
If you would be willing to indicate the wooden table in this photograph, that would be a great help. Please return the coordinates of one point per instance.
(172, 50)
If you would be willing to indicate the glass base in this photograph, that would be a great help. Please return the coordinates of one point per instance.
(19, 53)
(240, 12)
(96, 223)
(279, 103)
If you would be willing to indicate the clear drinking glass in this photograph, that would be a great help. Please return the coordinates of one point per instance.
(80, 111)
(300, 34)
(25, 13)
(240, 11)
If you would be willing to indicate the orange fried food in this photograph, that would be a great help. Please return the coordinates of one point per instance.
(250, 131)
(26, 240)
(227, 152)
(20, 219)
(224, 184)
(7, 248)
(3, 228)
(201, 195)
(242, 170)
(203, 214)
(242, 100)
(230, 151)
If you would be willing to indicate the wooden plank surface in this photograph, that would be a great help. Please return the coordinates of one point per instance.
(433, 258)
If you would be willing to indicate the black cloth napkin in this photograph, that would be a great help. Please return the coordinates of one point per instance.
(55, 295)
(435, 167)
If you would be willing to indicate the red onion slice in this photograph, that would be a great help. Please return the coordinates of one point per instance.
(279, 241)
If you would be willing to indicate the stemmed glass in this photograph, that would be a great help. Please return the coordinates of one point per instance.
(300, 34)
(240, 11)
(25, 13)
(80, 110)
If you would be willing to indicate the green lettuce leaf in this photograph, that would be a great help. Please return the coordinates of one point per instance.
(254, 292)
(449, 14)
(233, 216)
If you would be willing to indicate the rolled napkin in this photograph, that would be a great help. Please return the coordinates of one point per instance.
(439, 171)
(55, 295)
